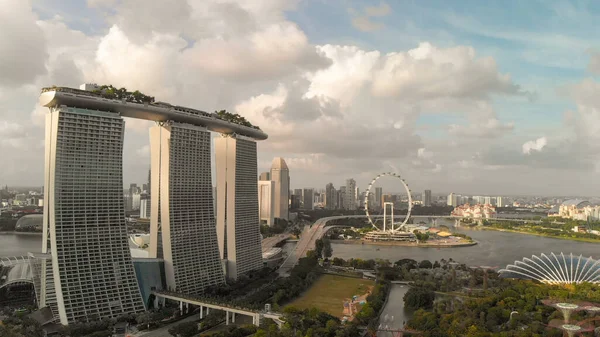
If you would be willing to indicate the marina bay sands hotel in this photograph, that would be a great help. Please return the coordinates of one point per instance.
(87, 272)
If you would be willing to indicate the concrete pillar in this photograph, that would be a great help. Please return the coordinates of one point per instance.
(181, 307)
(254, 320)
(233, 317)
(207, 310)
(226, 317)
(201, 311)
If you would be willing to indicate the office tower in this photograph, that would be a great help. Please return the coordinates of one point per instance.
(330, 197)
(427, 198)
(295, 202)
(308, 198)
(84, 216)
(265, 176)
(487, 201)
(298, 192)
(342, 197)
(144, 201)
(182, 197)
(148, 189)
(238, 228)
(452, 200)
(280, 174)
(350, 195)
(499, 202)
(378, 195)
(266, 202)
(357, 197)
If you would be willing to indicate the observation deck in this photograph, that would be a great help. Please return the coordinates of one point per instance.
(157, 111)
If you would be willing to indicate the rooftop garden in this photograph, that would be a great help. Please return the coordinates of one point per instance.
(234, 118)
(111, 92)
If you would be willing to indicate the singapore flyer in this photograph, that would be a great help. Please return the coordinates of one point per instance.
(380, 207)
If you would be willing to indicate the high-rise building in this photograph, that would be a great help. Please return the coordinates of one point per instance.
(84, 217)
(144, 201)
(280, 175)
(487, 201)
(238, 228)
(182, 197)
(452, 200)
(308, 195)
(265, 176)
(427, 198)
(350, 196)
(499, 202)
(330, 197)
(295, 201)
(342, 197)
(378, 196)
(266, 202)
(148, 188)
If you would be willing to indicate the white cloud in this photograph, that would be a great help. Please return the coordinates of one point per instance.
(535, 145)
(22, 44)
(431, 72)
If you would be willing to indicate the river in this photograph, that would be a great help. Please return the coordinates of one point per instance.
(495, 249)
(394, 315)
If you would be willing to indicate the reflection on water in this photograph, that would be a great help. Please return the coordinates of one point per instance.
(394, 315)
(12, 244)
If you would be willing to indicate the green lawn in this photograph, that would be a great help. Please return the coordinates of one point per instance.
(329, 292)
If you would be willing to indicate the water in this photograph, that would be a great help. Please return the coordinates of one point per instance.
(12, 244)
(495, 249)
(394, 315)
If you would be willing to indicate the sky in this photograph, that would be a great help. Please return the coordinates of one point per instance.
(474, 97)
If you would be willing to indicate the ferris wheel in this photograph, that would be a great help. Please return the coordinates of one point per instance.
(372, 219)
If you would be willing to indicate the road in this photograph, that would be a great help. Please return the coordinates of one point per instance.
(164, 331)
(270, 242)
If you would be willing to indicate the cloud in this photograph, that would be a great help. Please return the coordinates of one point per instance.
(534, 145)
(594, 65)
(23, 50)
(339, 110)
(429, 72)
(362, 20)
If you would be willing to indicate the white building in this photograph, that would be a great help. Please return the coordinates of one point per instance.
(477, 211)
(280, 175)
(238, 224)
(84, 219)
(452, 200)
(266, 202)
(182, 210)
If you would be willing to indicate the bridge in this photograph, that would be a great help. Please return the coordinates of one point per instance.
(230, 311)
(272, 241)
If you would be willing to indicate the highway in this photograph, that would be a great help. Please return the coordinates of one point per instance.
(270, 242)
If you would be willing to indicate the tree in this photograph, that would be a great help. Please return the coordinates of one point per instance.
(419, 298)
(425, 264)
(327, 250)
(186, 329)
(319, 248)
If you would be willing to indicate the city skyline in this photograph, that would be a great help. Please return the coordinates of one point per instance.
(528, 119)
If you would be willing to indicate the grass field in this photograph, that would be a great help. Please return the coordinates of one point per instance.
(329, 292)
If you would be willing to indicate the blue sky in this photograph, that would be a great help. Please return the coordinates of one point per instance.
(344, 88)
